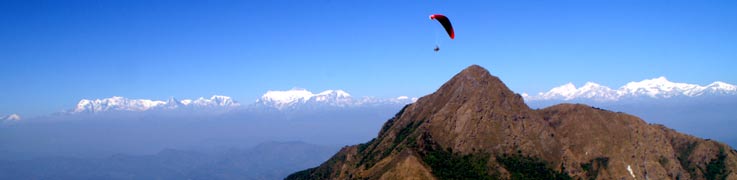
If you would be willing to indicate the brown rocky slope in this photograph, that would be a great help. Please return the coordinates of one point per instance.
(474, 127)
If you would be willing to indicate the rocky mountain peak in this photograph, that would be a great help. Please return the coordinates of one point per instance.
(474, 127)
(474, 79)
(474, 87)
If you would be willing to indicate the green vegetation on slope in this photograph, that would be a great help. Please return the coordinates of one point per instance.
(716, 169)
(448, 165)
(524, 167)
(683, 155)
(593, 167)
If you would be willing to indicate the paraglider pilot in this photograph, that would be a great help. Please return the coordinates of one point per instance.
(446, 24)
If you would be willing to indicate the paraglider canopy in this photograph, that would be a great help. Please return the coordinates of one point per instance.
(446, 24)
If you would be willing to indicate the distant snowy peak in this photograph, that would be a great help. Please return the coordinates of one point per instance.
(117, 103)
(569, 91)
(294, 96)
(288, 99)
(337, 98)
(173, 103)
(660, 88)
(214, 101)
(719, 87)
(331, 95)
(282, 99)
(656, 88)
(285, 98)
(595, 91)
(589, 90)
(10, 118)
(663, 88)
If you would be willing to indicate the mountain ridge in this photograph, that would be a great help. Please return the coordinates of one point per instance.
(474, 127)
(10, 118)
(288, 99)
(118, 103)
(280, 100)
(655, 88)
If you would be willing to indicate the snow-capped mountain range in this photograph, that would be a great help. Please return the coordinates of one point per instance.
(117, 103)
(656, 88)
(271, 99)
(337, 98)
(282, 99)
(10, 118)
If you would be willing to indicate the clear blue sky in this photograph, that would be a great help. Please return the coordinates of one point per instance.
(54, 53)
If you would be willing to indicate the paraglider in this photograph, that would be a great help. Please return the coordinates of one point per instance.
(446, 24)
